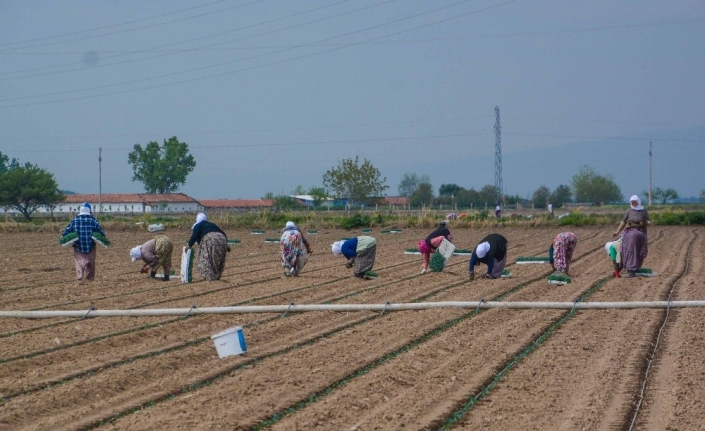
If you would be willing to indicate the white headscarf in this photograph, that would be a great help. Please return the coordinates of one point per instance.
(482, 249)
(337, 248)
(136, 253)
(290, 225)
(199, 218)
(638, 206)
(85, 209)
(607, 247)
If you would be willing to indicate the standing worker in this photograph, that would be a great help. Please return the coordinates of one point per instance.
(155, 253)
(431, 243)
(360, 252)
(492, 251)
(84, 251)
(635, 246)
(212, 248)
(292, 245)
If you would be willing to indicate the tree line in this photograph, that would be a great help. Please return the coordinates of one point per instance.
(164, 169)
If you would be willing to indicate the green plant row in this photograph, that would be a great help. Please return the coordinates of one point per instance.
(458, 415)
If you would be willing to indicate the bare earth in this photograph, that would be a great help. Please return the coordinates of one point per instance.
(453, 368)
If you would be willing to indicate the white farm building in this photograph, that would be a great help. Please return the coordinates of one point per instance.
(130, 203)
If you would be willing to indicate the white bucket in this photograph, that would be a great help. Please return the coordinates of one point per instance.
(230, 342)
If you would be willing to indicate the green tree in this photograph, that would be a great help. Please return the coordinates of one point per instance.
(488, 195)
(6, 164)
(269, 195)
(423, 195)
(448, 189)
(298, 190)
(161, 169)
(662, 195)
(410, 182)
(589, 186)
(27, 188)
(286, 202)
(354, 181)
(560, 196)
(541, 196)
(318, 194)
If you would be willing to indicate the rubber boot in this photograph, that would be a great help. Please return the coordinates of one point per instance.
(166, 277)
(153, 274)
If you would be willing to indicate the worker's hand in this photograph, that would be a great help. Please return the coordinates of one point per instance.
(614, 235)
(309, 250)
(228, 249)
(145, 269)
(349, 264)
(472, 276)
(487, 276)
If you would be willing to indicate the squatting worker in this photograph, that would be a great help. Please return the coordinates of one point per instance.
(492, 251)
(360, 252)
(635, 246)
(292, 246)
(431, 243)
(560, 253)
(155, 253)
(212, 247)
(84, 250)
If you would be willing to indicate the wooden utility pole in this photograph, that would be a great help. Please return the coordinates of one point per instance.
(100, 179)
(650, 191)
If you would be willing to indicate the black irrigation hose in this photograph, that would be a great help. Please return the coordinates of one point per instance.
(634, 413)
(181, 346)
(468, 403)
(200, 340)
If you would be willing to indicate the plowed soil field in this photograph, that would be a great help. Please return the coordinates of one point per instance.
(500, 369)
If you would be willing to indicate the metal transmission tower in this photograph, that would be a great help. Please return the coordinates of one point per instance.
(499, 187)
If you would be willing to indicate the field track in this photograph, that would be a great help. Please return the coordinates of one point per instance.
(430, 369)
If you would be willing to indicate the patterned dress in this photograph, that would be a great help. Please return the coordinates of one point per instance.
(563, 246)
(364, 261)
(211, 255)
(292, 252)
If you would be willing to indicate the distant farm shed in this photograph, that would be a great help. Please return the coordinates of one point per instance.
(131, 203)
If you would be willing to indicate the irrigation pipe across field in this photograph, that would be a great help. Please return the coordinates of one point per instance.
(292, 308)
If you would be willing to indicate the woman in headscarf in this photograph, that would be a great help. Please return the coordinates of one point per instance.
(431, 243)
(613, 250)
(155, 253)
(360, 252)
(560, 253)
(635, 247)
(492, 251)
(212, 247)
(292, 245)
(84, 249)
(498, 211)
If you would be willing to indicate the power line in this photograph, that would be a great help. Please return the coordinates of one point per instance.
(363, 141)
(127, 30)
(407, 41)
(222, 132)
(275, 62)
(188, 41)
(277, 144)
(134, 81)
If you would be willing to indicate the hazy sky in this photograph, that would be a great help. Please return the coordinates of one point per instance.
(269, 94)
